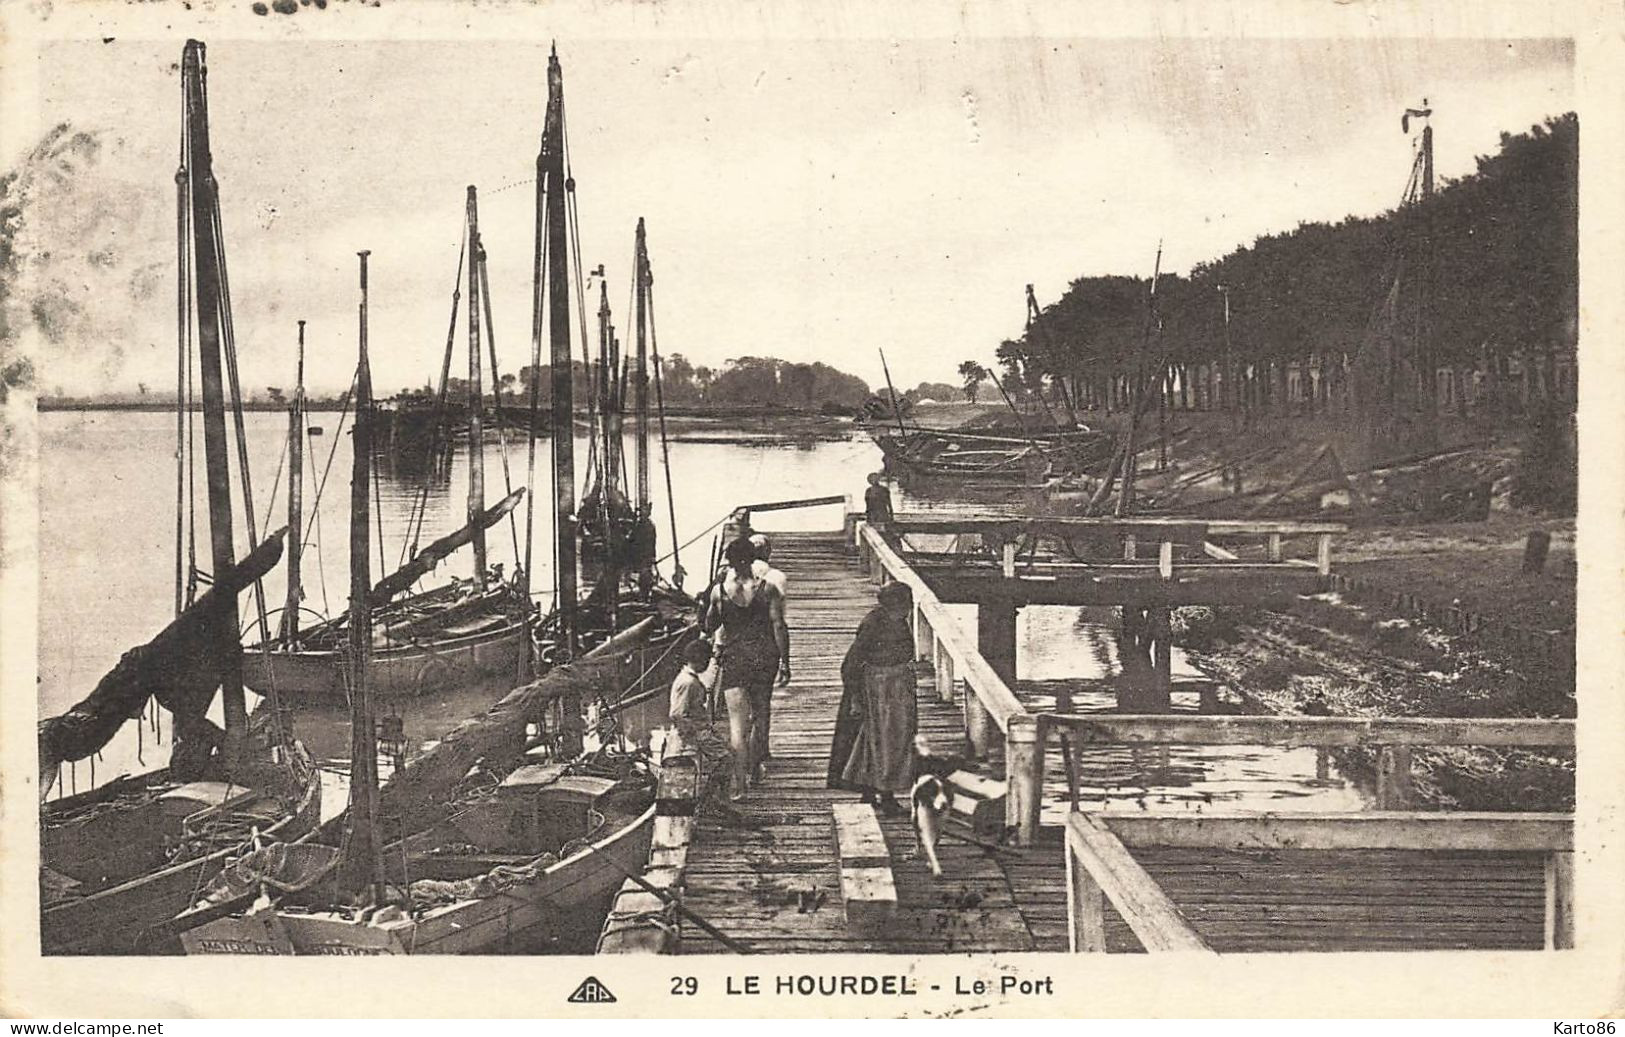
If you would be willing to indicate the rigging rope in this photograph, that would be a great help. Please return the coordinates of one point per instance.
(496, 392)
(665, 445)
(420, 507)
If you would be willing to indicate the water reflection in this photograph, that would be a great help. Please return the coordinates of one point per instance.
(1076, 660)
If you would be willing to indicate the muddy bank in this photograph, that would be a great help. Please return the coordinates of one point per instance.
(1330, 656)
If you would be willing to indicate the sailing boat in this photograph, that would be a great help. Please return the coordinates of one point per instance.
(447, 636)
(514, 823)
(503, 868)
(119, 860)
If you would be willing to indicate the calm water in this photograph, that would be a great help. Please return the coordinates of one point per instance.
(107, 582)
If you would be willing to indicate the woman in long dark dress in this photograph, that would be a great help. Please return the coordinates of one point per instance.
(873, 748)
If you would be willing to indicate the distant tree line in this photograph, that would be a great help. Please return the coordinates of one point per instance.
(745, 382)
(1470, 293)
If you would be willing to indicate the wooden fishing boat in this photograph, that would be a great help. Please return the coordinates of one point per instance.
(502, 874)
(485, 640)
(557, 808)
(447, 636)
(117, 861)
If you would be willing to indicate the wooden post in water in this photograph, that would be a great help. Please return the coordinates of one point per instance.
(1394, 778)
(1161, 649)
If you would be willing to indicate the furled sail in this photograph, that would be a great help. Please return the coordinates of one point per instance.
(437, 552)
(180, 668)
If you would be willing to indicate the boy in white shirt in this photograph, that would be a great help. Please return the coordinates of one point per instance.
(690, 714)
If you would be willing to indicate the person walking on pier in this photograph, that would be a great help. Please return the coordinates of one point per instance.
(761, 705)
(753, 649)
(877, 675)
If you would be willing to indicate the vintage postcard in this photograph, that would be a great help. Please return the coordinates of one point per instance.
(702, 508)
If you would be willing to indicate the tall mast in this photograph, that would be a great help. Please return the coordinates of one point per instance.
(896, 406)
(608, 406)
(553, 243)
(362, 864)
(207, 263)
(476, 394)
(296, 496)
(640, 371)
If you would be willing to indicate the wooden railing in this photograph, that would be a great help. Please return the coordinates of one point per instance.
(1166, 533)
(991, 711)
(1100, 866)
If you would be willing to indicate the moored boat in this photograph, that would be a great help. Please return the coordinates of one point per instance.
(118, 860)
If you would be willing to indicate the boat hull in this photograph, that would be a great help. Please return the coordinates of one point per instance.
(130, 918)
(516, 918)
(402, 672)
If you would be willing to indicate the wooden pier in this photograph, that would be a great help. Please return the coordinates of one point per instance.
(772, 879)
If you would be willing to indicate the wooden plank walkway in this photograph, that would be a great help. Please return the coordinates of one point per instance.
(756, 880)
(771, 881)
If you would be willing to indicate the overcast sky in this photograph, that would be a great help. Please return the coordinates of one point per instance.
(810, 200)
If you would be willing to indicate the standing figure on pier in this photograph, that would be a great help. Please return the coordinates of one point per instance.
(877, 502)
(753, 652)
(880, 668)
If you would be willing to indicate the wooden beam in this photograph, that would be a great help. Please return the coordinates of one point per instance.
(868, 890)
(1150, 914)
(1121, 584)
(918, 522)
(1128, 729)
(1372, 830)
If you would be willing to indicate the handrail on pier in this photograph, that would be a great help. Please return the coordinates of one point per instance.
(1100, 867)
(992, 711)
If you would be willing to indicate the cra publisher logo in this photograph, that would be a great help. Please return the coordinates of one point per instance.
(591, 992)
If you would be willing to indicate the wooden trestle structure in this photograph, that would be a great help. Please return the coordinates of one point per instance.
(773, 880)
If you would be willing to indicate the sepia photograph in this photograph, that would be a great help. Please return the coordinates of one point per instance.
(703, 488)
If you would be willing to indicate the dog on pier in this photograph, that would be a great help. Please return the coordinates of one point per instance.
(929, 800)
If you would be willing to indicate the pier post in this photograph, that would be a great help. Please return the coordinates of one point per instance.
(1085, 907)
(1161, 648)
(1559, 901)
(1024, 775)
(924, 641)
(944, 665)
(980, 730)
(1394, 778)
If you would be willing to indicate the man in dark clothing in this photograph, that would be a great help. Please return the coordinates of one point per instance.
(877, 502)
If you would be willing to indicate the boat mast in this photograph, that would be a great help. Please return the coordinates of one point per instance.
(476, 402)
(207, 263)
(296, 497)
(896, 407)
(552, 243)
(640, 371)
(362, 866)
